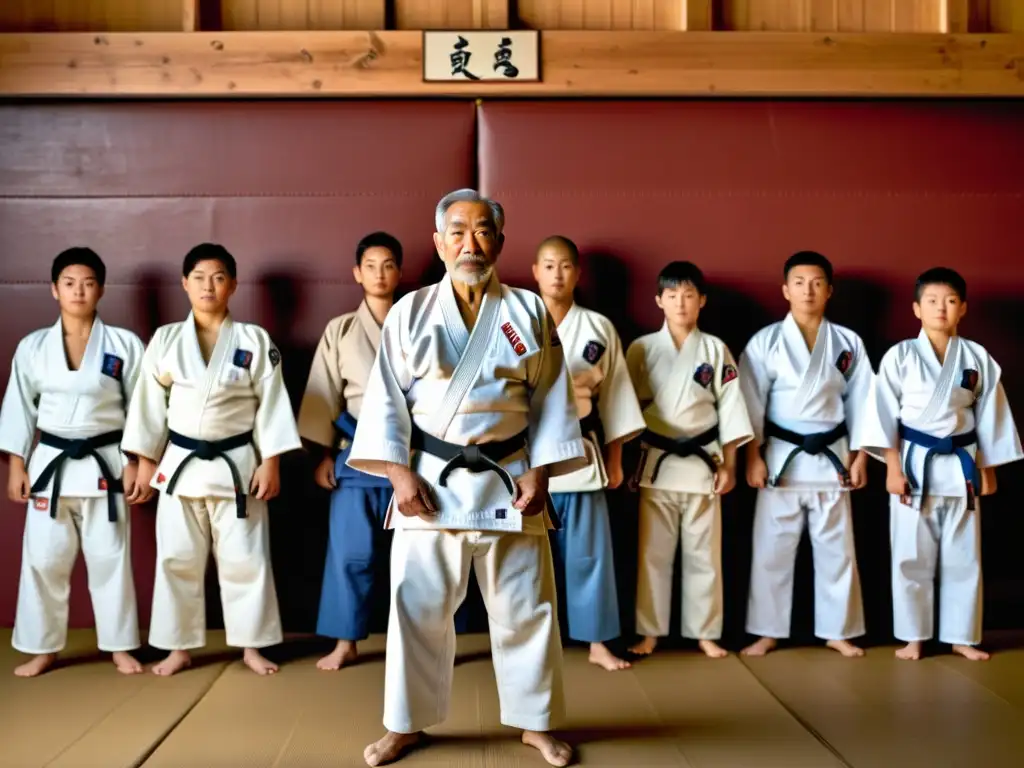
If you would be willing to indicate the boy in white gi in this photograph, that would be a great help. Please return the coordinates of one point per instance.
(609, 416)
(943, 424)
(806, 382)
(357, 543)
(686, 381)
(73, 382)
(210, 419)
(468, 410)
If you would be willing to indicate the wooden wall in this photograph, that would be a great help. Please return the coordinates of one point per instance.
(647, 15)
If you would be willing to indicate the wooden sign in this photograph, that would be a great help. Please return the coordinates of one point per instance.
(479, 55)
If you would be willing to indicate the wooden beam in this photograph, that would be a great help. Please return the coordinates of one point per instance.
(595, 64)
(189, 15)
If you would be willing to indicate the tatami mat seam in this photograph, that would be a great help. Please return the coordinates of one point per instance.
(951, 667)
(686, 762)
(174, 725)
(792, 713)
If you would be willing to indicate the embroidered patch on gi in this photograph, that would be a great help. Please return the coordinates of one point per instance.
(275, 356)
(234, 374)
(844, 361)
(728, 374)
(593, 352)
(514, 339)
(499, 514)
(102, 484)
(41, 504)
(161, 478)
(970, 379)
(113, 366)
(243, 358)
(705, 373)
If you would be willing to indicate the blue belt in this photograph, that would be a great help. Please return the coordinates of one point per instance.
(345, 425)
(941, 446)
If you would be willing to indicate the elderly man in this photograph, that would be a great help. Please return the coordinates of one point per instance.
(468, 411)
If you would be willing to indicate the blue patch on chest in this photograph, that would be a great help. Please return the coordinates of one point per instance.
(243, 358)
(113, 366)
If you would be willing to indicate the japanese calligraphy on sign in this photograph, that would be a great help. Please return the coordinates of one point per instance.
(481, 56)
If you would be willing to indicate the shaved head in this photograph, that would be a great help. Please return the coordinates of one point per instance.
(561, 244)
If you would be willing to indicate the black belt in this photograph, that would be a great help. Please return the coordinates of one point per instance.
(78, 449)
(484, 457)
(592, 423)
(208, 450)
(941, 446)
(682, 447)
(815, 444)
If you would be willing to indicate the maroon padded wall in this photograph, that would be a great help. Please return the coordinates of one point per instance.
(885, 189)
(287, 187)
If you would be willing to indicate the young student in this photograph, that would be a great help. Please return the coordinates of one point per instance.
(806, 382)
(210, 419)
(609, 416)
(943, 424)
(73, 382)
(358, 542)
(687, 382)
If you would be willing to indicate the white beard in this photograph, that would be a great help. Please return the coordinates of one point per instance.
(469, 278)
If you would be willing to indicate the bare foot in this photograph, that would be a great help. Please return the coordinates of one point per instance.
(344, 653)
(763, 646)
(712, 649)
(255, 661)
(36, 666)
(390, 748)
(126, 663)
(909, 652)
(970, 652)
(602, 657)
(845, 647)
(556, 752)
(645, 647)
(175, 662)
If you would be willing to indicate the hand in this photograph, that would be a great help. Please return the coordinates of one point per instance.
(266, 481)
(324, 474)
(725, 480)
(757, 471)
(988, 481)
(412, 494)
(615, 476)
(532, 487)
(19, 487)
(896, 483)
(859, 471)
(136, 479)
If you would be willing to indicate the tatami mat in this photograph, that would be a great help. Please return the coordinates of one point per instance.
(83, 713)
(879, 712)
(796, 708)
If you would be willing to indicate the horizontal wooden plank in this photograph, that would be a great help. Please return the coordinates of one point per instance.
(574, 63)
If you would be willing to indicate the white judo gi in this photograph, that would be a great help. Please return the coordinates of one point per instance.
(608, 410)
(487, 388)
(946, 418)
(693, 407)
(65, 405)
(792, 392)
(182, 408)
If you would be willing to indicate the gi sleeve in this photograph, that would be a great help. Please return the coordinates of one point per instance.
(857, 398)
(385, 425)
(145, 428)
(554, 433)
(324, 399)
(733, 420)
(881, 417)
(637, 368)
(132, 367)
(755, 383)
(20, 408)
(274, 431)
(998, 440)
(617, 403)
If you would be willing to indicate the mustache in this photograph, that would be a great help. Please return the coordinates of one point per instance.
(481, 260)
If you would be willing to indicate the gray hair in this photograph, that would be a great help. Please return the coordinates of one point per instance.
(468, 196)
